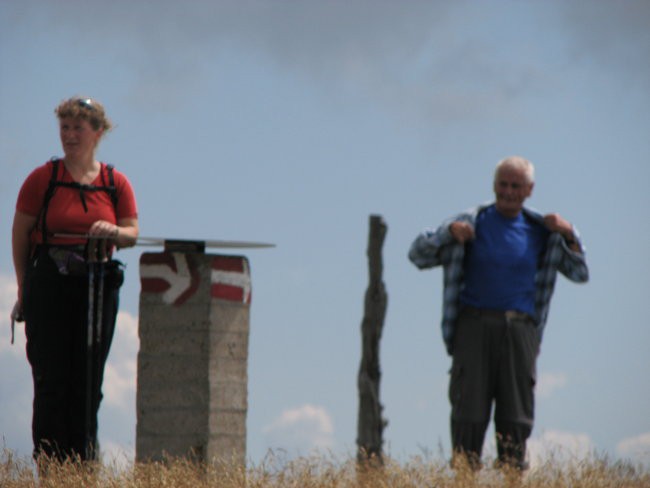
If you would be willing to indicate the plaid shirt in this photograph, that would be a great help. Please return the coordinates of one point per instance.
(435, 247)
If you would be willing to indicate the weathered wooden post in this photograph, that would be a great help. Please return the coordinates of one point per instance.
(371, 423)
(192, 363)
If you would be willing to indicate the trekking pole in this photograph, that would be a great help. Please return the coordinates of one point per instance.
(99, 305)
(98, 356)
(90, 333)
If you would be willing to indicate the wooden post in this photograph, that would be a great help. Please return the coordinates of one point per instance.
(371, 424)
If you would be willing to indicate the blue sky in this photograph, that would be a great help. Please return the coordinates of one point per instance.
(292, 122)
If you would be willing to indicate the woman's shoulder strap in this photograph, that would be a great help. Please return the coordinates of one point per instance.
(55, 162)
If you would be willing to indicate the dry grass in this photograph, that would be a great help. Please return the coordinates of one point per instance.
(319, 472)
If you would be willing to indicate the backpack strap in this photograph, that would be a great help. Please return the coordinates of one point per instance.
(51, 187)
(110, 188)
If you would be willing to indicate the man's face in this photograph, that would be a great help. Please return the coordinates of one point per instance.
(511, 189)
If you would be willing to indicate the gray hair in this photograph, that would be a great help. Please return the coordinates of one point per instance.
(517, 162)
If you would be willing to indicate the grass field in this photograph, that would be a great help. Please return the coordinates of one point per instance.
(320, 472)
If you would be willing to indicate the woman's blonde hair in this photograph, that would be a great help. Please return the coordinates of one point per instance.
(84, 108)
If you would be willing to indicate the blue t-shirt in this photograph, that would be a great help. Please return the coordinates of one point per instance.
(501, 262)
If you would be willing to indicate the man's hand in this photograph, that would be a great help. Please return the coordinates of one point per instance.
(555, 223)
(461, 231)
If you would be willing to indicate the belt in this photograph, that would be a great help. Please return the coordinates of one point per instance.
(498, 314)
(69, 260)
(78, 248)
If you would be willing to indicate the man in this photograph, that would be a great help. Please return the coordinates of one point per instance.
(500, 262)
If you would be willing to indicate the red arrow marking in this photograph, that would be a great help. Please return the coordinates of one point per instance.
(231, 279)
(170, 274)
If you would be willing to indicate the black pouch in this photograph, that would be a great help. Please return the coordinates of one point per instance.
(114, 274)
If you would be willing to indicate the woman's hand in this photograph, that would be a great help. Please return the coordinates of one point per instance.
(124, 234)
(102, 228)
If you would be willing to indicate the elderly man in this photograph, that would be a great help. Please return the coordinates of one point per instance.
(500, 262)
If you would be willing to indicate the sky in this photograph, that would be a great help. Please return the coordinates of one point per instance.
(292, 122)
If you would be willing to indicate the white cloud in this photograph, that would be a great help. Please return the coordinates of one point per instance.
(121, 369)
(302, 429)
(636, 449)
(547, 383)
(559, 446)
(117, 456)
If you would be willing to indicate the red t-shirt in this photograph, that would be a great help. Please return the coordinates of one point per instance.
(66, 213)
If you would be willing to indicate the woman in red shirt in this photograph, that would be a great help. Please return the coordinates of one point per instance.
(70, 214)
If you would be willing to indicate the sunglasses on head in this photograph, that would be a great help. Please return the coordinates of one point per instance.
(86, 103)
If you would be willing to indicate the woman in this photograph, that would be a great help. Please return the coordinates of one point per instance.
(70, 214)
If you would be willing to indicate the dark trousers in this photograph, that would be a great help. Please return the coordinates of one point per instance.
(494, 361)
(55, 307)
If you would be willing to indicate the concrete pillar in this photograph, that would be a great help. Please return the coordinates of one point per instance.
(192, 363)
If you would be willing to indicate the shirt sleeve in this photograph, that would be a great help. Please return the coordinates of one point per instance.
(573, 264)
(32, 192)
(425, 249)
(126, 203)
(434, 247)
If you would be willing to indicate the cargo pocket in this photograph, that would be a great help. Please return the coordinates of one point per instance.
(456, 387)
(527, 406)
(30, 346)
(527, 380)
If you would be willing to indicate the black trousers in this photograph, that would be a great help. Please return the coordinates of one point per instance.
(494, 362)
(55, 307)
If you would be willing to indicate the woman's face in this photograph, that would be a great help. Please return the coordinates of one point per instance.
(78, 138)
